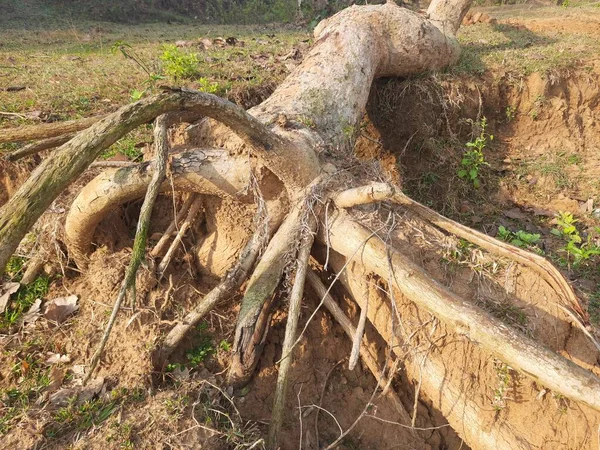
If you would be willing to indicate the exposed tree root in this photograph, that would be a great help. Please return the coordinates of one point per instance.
(47, 130)
(71, 159)
(365, 354)
(191, 215)
(255, 310)
(330, 92)
(520, 352)
(230, 283)
(36, 147)
(375, 192)
(290, 333)
(139, 245)
(164, 239)
(204, 171)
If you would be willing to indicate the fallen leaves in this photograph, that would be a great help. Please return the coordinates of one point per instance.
(6, 290)
(57, 358)
(58, 309)
(33, 313)
(79, 394)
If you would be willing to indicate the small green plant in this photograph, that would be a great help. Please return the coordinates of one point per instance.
(534, 113)
(14, 267)
(179, 64)
(225, 346)
(519, 238)
(202, 351)
(576, 247)
(127, 146)
(22, 301)
(510, 112)
(137, 94)
(307, 121)
(205, 85)
(176, 406)
(473, 159)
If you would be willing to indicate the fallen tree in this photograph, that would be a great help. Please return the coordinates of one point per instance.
(293, 149)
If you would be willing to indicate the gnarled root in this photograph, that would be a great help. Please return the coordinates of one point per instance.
(204, 171)
(520, 352)
(254, 316)
(230, 283)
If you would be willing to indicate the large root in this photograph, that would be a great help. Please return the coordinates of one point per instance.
(230, 283)
(329, 92)
(204, 171)
(520, 352)
(254, 316)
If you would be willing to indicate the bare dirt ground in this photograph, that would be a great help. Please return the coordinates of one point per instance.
(534, 76)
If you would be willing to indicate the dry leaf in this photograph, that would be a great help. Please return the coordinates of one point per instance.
(78, 371)
(33, 314)
(57, 358)
(515, 213)
(62, 396)
(89, 391)
(6, 290)
(181, 373)
(60, 308)
(57, 375)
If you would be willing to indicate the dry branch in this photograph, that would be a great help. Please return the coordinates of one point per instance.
(191, 215)
(162, 242)
(47, 130)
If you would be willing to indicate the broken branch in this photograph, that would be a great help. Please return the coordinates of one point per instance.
(47, 130)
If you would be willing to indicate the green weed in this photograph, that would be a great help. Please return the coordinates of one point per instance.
(510, 113)
(82, 417)
(503, 379)
(577, 248)
(22, 300)
(126, 146)
(594, 306)
(519, 238)
(179, 64)
(473, 158)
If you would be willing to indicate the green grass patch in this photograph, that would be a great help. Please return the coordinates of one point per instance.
(22, 300)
